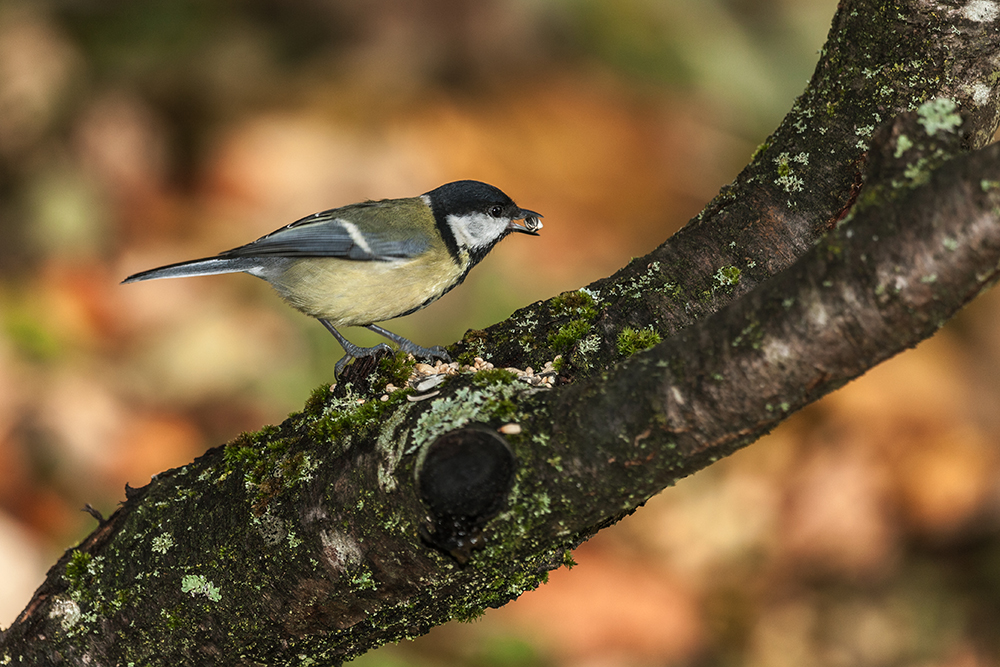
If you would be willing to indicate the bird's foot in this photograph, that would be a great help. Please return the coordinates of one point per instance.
(436, 352)
(407, 345)
(355, 352)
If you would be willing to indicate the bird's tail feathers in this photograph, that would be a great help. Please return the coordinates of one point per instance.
(198, 267)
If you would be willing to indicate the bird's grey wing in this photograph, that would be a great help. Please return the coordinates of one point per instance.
(328, 235)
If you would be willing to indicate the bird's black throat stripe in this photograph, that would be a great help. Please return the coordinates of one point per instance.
(450, 242)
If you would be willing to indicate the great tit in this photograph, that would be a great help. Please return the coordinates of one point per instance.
(375, 260)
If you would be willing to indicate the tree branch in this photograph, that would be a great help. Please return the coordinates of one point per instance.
(357, 523)
(881, 59)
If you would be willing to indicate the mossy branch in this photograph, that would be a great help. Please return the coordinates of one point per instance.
(313, 541)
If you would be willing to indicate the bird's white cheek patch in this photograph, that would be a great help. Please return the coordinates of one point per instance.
(475, 230)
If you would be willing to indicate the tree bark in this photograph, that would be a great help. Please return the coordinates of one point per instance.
(354, 523)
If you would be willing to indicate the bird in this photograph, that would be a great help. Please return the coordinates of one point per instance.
(374, 260)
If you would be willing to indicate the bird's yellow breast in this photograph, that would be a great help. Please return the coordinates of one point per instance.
(352, 293)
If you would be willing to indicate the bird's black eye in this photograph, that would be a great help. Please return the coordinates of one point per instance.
(496, 211)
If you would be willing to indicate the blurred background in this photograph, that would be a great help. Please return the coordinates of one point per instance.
(864, 531)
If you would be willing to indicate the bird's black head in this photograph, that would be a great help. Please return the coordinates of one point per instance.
(474, 216)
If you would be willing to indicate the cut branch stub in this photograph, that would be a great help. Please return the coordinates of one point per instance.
(464, 480)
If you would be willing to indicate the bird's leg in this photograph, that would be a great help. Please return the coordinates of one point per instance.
(436, 352)
(352, 350)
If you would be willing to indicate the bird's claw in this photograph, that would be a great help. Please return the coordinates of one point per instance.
(357, 353)
(438, 352)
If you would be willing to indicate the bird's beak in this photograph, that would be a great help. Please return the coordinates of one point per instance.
(531, 222)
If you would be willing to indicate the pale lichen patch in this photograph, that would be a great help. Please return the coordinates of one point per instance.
(271, 528)
(197, 584)
(981, 11)
(817, 315)
(162, 543)
(776, 351)
(903, 144)
(787, 178)
(66, 610)
(980, 93)
(468, 404)
(341, 551)
(940, 113)
(391, 444)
